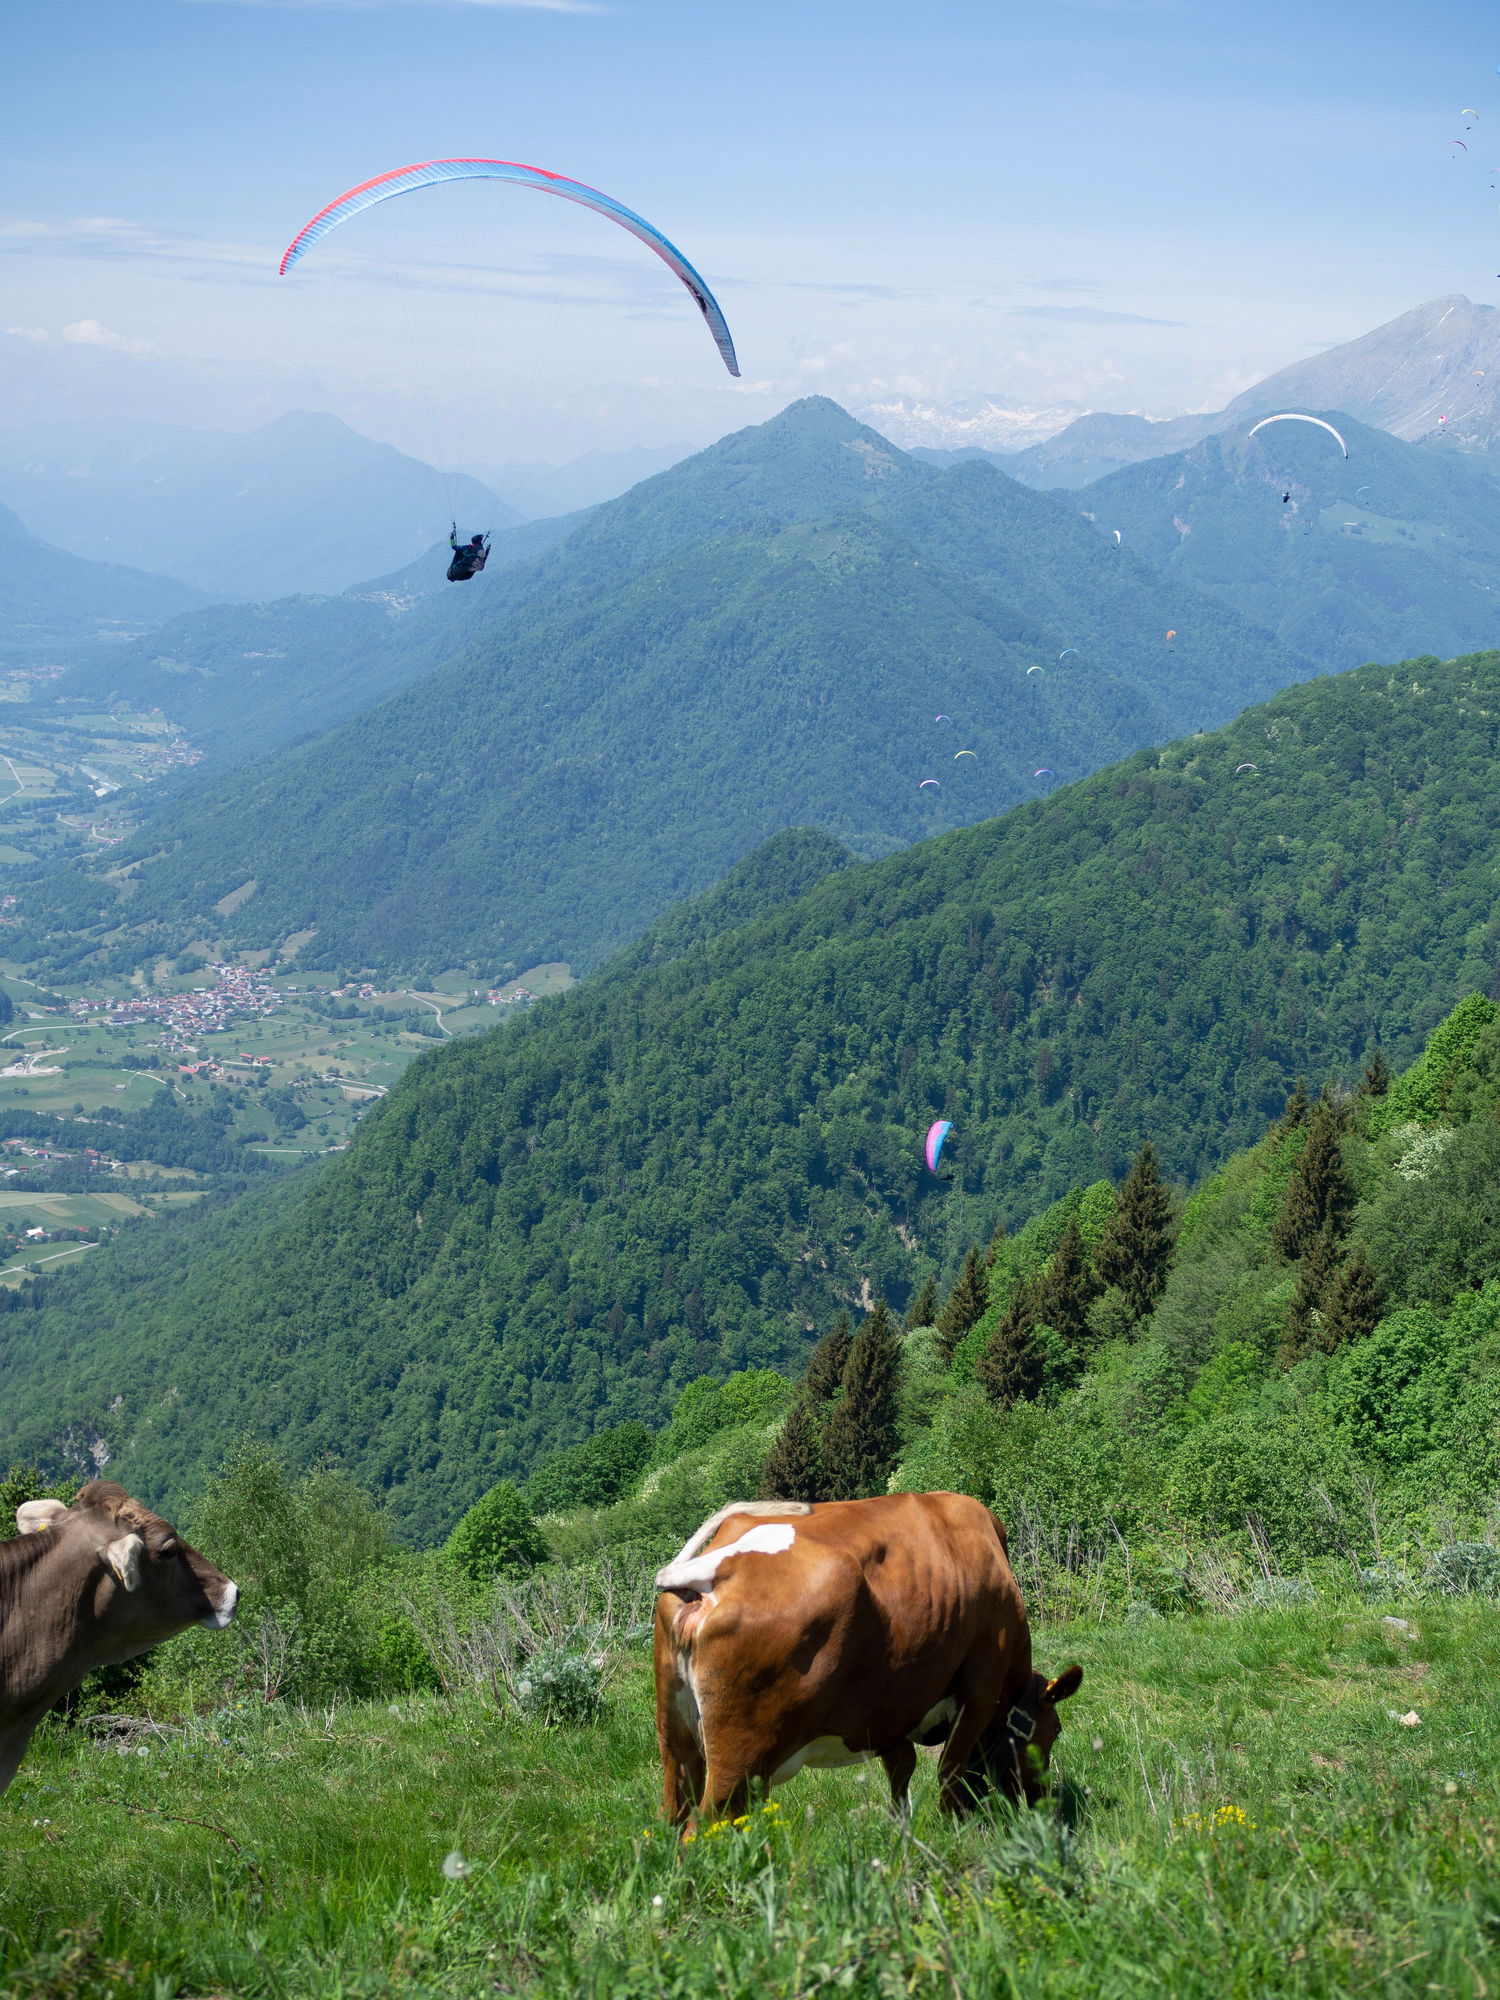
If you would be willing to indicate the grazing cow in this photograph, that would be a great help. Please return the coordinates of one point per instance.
(85, 1586)
(791, 1635)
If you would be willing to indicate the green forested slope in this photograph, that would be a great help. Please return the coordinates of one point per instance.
(759, 637)
(662, 1175)
(1394, 547)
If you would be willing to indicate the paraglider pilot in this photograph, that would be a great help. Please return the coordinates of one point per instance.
(469, 558)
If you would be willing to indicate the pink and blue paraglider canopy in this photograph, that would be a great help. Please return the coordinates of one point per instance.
(937, 1132)
(428, 172)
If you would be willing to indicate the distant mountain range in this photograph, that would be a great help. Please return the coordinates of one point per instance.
(1432, 376)
(302, 504)
(800, 626)
(53, 602)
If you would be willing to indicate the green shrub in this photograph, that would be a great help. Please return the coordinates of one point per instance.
(592, 1474)
(498, 1536)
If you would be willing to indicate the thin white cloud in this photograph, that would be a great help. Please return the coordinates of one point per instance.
(36, 334)
(1088, 316)
(89, 333)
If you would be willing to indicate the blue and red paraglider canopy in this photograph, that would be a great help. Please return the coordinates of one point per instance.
(428, 172)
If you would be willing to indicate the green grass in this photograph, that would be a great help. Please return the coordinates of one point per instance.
(1237, 1814)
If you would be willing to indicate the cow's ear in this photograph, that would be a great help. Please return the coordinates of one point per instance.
(124, 1558)
(1067, 1682)
(35, 1517)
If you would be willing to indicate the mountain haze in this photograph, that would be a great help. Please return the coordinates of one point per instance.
(685, 1169)
(51, 601)
(302, 504)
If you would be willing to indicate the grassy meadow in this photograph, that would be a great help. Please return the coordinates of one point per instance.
(1239, 1809)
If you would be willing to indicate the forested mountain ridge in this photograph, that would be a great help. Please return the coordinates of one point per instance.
(1344, 559)
(684, 1171)
(691, 670)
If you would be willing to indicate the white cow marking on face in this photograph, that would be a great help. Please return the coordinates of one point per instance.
(697, 1573)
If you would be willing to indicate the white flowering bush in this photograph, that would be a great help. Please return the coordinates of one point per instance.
(561, 1689)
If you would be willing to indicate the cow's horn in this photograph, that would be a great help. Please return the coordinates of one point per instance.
(124, 1558)
(35, 1517)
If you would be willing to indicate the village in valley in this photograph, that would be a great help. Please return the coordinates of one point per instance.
(287, 1065)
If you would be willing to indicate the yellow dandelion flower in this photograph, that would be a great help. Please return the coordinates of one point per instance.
(743, 1820)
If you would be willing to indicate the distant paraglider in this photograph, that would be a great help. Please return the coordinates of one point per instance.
(942, 718)
(932, 1149)
(428, 173)
(966, 753)
(1243, 767)
(1065, 652)
(1117, 537)
(1172, 632)
(1297, 417)
(1033, 670)
(929, 781)
(1044, 773)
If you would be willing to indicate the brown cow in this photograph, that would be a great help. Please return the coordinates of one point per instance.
(791, 1635)
(84, 1586)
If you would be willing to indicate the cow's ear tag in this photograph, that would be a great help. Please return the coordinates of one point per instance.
(124, 1558)
(35, 1517)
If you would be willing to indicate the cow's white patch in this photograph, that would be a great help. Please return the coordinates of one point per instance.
(714, 1522)
(945, 1711)
(824, 1753)
(685, 1701)
(35, 1517)
(224, 1614)
(697, 1572)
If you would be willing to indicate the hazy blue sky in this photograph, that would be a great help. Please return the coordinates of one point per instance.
(1130, 204)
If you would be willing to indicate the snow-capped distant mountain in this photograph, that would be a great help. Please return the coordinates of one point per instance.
(993, 423)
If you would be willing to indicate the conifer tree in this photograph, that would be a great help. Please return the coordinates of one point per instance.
(1135, 1252)
(1068, 1289)
(1355, 1302)
(965, 1304)
(860, 1439)
(1009, 1369)
(1303, 1330)
(1376, 1080)
(1319, 1193)
(923, 1309)
(995, 1242)
(825, 1371)
(794, 1466)
(1295, 1112)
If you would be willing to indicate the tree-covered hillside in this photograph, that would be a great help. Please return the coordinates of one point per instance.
(800, 626)
(685, 1170)
(1345, 559)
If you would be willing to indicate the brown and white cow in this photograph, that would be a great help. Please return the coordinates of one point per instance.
(85, 1586)
(790, 1635)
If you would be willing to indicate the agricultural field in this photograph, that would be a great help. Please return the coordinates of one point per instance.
(60, 770)
(335, 1051)
(1297, 1801)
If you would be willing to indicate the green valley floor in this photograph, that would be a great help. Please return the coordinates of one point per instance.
(1297, 1801)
